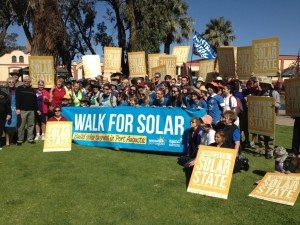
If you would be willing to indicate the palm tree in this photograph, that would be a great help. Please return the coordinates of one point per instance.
(179, 26)
(219, 32)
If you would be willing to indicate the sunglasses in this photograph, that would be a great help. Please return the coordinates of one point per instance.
(57, 110)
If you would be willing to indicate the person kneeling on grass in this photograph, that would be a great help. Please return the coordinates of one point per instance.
(57, 115)
(207, 133)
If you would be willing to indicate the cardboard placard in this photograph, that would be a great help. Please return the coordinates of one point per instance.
(112, 59)
(41, 68)
(153, 61)
(170, 62)
(265, 52)
(206, 67)
(137, 64)
(212, 171)
(292, 97)
(244, 62)
(182, 54)
(278, 187)
(159, 69)
(91, 66)
(58, 136)
(261, 115)
(226, 61)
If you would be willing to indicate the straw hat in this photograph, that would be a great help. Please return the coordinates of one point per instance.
(197, 92)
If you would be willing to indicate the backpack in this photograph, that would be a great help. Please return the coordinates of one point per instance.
(239, 107)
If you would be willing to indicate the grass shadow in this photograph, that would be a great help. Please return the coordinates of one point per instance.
(259, 172)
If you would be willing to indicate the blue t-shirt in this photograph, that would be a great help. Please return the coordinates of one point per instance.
(196, 105)
(214, 107)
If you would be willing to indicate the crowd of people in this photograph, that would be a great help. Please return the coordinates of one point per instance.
(224, 100)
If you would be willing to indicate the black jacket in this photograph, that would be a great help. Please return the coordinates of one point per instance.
(26, 98)
(5, 108)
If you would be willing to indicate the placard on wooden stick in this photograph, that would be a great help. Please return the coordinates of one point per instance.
(261, 115)
(278, 187)
(153, 61)
(41, 68)
(159, 69)
(58, 136)
(170, 62)
(226, 61)
(206, 67)
(182, 53)
(112, 59)
(91, 66)
(244, 62)
(212, 171)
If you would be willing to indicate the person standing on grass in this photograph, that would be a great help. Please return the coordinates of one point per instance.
(11, 125)
(43, 97)
(5, 112)
(26, 107)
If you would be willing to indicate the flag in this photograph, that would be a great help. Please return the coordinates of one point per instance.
(202, 48)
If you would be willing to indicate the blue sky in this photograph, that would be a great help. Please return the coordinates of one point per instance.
(252, 19)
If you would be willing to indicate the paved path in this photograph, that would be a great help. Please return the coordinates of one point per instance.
(282, 119)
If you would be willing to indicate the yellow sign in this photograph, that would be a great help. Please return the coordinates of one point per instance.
(206, 67)
(42, 68)
(159, 69)
(58, 136)
(261, 115)
(153, 61)
(112, 59)
(265, 53)
(226, 61)
(182, 54)
(91, 66)
(292, 97)
(137, 64)
(244, 63)
(278, 187)
(170, 62)
(212, 171)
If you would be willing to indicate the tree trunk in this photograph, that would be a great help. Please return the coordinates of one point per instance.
(132, 26)
(168, 42)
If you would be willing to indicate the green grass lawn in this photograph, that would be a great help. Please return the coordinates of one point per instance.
(98, 186)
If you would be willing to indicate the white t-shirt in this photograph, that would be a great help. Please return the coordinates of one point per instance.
(231, 104)
(208, 138)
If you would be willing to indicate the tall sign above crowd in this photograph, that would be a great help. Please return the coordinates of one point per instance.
(42, 68)
(137, 64)
(170, 62)
(265, 56)
(292, 97)
(226, 61)
(244, 62)
(91, 65)
(182, 53)
(112, 59)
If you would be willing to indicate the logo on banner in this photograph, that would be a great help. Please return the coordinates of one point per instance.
(278, 187)
(212, 171)
(202, 48)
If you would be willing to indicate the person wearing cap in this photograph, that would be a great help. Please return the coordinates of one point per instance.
(66, 102)
(26, 107)
(215, 103)
(196, 101)
(207, 133)
(199, 82)
(43, 97)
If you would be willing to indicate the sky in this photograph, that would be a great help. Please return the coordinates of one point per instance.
(251, 19)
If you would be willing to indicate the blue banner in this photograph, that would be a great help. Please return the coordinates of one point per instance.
(202, 48)
(139, 128)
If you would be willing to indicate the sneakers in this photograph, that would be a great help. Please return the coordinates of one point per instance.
(37, 137)
(43, 137)
(252, 144)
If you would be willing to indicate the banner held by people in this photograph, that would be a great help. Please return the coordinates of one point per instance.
(42, 68)
(58, 137)
(261, 115)
(226, 61)
(244, 62)
(144, 128)
(91, 66)
(182, 53)
(212, 171)
(202, 48)
(265, 54)
(170, 62)
(292, 97)
(278, 187)
(137, 64)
